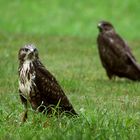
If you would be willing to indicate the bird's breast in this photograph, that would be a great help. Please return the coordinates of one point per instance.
(26, 80)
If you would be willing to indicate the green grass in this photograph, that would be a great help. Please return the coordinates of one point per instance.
(65, 34)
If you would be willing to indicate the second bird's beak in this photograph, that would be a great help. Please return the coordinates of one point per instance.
(99, 27)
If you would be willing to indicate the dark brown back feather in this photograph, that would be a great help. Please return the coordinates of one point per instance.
(117, 57)
(50, 89)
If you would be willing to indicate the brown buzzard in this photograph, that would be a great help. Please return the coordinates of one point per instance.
(115, 55)
(38, 87)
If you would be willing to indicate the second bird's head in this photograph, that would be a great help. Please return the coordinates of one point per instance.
(28, 52)
(105, 26)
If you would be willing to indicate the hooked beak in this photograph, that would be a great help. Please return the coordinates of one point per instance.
(31, 53)
(99, 27)
(32, 50)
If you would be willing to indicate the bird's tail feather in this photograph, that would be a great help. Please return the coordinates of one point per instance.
(136, 72)
(133, 61)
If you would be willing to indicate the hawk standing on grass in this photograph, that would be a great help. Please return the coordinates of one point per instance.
(116, 57)
(38, 87)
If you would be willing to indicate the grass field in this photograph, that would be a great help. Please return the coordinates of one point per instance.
(65, 34)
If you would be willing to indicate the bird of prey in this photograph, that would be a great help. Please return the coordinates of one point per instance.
(38, 88)
(115, 54)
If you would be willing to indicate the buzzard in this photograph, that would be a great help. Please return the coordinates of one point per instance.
(115, 54)
(38, 88)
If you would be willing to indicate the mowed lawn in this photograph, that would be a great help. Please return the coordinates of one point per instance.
(65, 34)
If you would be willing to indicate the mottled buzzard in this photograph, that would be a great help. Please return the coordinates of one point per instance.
(38, 87)
(115, 55)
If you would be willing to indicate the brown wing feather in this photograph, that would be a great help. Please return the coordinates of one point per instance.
(116, 56)
(119, 46)
(50, 89)
(121, 50)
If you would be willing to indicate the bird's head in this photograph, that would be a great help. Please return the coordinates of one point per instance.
(28, 52)
(105, 26)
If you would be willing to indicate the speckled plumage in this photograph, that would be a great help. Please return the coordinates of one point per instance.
(38, 87)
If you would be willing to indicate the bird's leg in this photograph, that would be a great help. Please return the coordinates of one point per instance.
(110, 75)
(25, 102)
(113, 78)
(24, 116)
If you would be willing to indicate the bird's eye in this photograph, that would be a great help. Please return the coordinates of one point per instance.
(35, 50)
(25, 49)
(105, 27)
